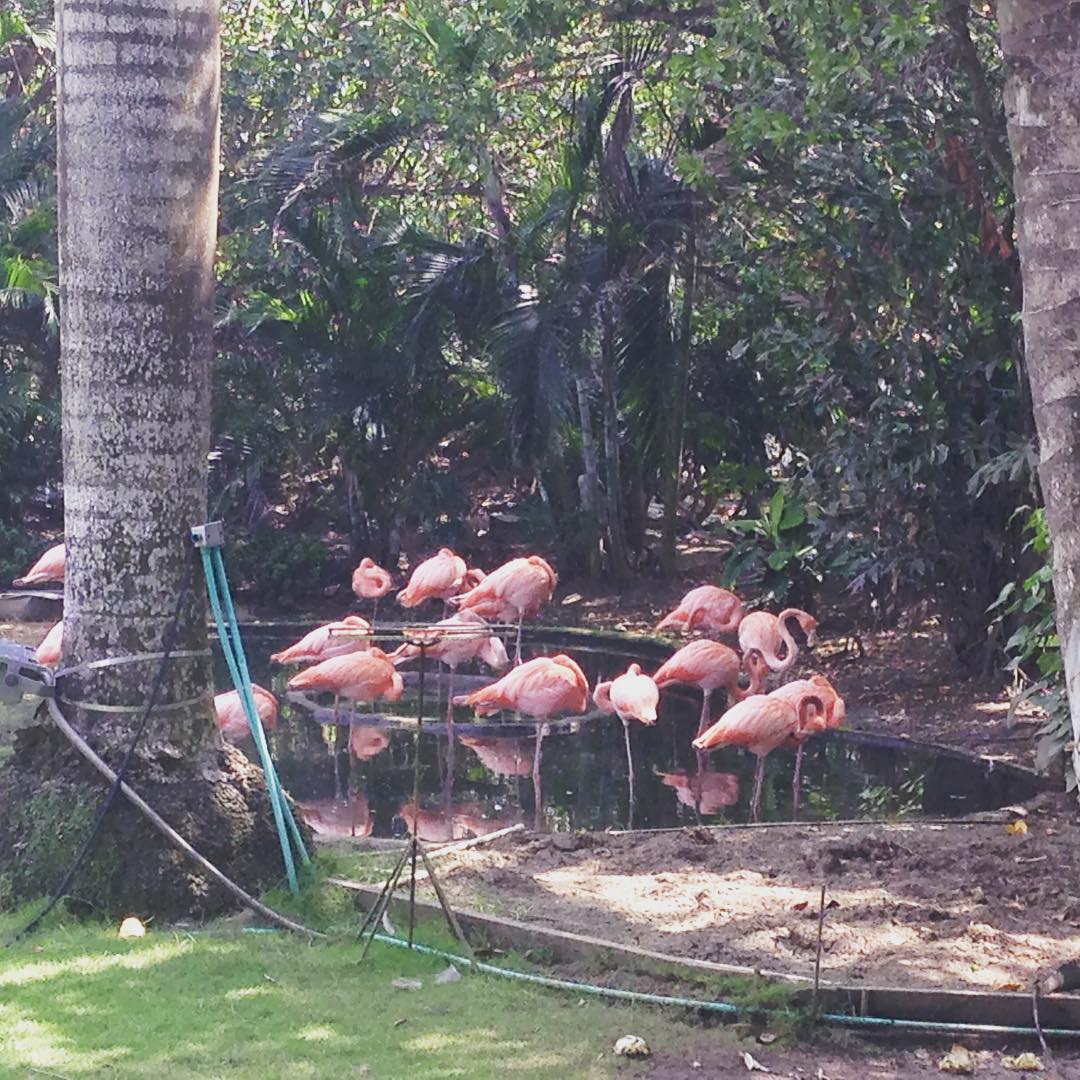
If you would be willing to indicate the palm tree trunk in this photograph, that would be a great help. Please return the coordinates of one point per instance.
(680, 385)
(590, 494)
(137, 97)
(1042, 53)
(618, 555)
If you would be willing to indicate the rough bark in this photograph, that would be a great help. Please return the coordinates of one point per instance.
(1041, 44)
(137, 108)
(673, 435)
(590, 483)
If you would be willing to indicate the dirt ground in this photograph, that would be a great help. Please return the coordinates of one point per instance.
(966, 905)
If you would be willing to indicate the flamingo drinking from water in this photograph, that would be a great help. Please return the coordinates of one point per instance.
(334, 639)
(759, 723)
(515, 591)
(544, 687)
(817, 686)
(231, 718)
(50, 567)
(371, 582)
(769, 634)
(710, 665)
(52, 645)
(631, 696)
(708, 608)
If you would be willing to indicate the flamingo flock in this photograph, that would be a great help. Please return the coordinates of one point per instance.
(340, 659)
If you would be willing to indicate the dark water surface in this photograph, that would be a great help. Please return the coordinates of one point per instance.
(485, 783)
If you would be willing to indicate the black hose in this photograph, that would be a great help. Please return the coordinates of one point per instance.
(167, 646)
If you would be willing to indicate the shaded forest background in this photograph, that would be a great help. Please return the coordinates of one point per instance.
(591, 277)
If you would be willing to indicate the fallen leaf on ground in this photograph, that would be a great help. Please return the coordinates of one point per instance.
(958, 1060)
(1017, 828)
(752, 1064)
(633, 1046)
(767, 1037)
(403, 1020)
(407, 984)
(1026, 1062)
(1009, 986)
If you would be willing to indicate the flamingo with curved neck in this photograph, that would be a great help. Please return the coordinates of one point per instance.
(769, 634)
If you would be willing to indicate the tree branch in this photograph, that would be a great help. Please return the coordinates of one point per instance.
(991, 120)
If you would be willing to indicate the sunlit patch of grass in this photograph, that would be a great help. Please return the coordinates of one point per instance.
(77, 1001)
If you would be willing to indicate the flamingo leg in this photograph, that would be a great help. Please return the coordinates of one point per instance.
(339, 790)
(629, 772)
(538, 795)
(448, 788)
(795, 784)
(517, 650)
(374, 612)
(703, 723)
(755, 800)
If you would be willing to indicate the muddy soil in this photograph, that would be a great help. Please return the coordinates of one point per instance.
(968, 905)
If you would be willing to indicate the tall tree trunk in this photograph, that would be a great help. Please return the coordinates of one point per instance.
(618, 555)
(137, 114)
(673, 440)
(590, 487)
(1041, 43)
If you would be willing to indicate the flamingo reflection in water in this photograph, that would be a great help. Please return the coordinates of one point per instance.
(704, 791)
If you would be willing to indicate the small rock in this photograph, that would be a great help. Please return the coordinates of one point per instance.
(450, 975)
(131, 928)
(407, 984)
(632, 1046)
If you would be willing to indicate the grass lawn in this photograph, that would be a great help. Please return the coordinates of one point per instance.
(75, 1001)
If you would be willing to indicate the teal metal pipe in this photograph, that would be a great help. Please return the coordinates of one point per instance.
(244, 690)
(259, 734)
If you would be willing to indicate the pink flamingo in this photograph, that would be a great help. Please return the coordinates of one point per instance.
(769, 634)
(541, 688)
(337, 819)
(630, 696)
(704, 791)
(504, 756)
(710, 665)
(357, 676)
(334, 639)
(454, 641)
(707, 608)
(51, 647)
(50, 567)
(515, 591)
(760, 723)
(371, 582)
(433, 825)
(367, 742)
(439, 578)
(817, 686)
(231, 718)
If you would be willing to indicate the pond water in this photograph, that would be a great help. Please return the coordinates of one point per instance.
(483, 779)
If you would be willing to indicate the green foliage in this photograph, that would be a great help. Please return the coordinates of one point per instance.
(775, 548)
(281, 568)
(1033, 648)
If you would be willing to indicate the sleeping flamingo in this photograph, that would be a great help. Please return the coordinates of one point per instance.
(709, 665)
(760, 723)
(231, 718)
(334, 639)
(769, 634)
(439, 578)
(52, 645)
(358, 676)
(50, 567)
(541, 688)
(371, 582)
(708, 608)
(631, 696)
(454, 641)
(515, 591)
(817, 686)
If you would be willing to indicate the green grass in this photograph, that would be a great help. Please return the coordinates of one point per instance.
(76, 1001)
